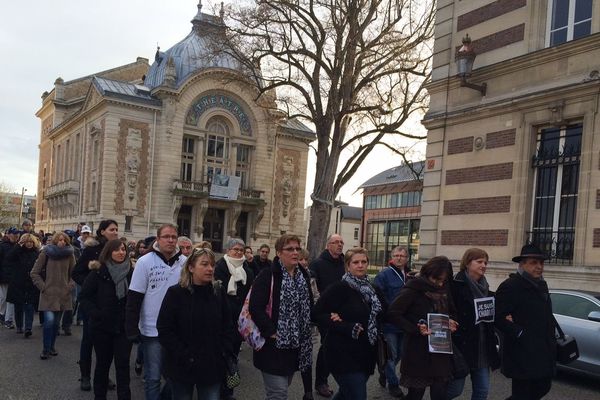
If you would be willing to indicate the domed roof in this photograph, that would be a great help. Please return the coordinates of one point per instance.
(202, 48)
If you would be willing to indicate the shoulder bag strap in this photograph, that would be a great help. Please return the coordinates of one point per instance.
(561, 334)
(270, 303)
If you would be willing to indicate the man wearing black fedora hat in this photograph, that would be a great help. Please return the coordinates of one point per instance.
(524, 316)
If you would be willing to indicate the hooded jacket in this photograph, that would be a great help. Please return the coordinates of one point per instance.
(91, 252)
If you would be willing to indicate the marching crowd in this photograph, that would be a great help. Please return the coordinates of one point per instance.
(188, 313)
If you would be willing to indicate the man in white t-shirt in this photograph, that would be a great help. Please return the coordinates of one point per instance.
(154, 273)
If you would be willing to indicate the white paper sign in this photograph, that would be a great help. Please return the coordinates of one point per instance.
(485, 309)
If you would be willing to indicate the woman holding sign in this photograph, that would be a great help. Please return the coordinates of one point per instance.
(474, 337)
(426, 360)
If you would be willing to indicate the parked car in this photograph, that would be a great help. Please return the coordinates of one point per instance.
(578, 313)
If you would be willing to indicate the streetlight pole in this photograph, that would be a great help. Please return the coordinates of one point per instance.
(23, 190)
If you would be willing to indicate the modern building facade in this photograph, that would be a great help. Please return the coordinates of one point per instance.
(183, 141)
(15, 208)
(392, 212)
(518, 160)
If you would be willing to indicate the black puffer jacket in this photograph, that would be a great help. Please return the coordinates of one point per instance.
(91, 252)
(468, 335)
(196, 332)
(529, 344)
(99, 300)
(21, 289)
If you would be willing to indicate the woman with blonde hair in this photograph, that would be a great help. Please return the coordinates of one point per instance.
(195, 330)
(51, 274)
(21, 291)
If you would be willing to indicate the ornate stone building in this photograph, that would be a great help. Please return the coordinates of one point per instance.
(183, 140)
(518, 159)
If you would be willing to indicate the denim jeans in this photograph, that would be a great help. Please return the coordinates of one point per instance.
(276, 386)
(185, 391)
(353, 386)
(394, 342)
(51, 323)
(152, 367)
(27, 310)
(480, 380)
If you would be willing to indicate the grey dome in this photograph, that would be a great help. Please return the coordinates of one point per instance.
(202, 48)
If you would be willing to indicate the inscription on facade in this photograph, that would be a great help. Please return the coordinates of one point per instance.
(219, 101)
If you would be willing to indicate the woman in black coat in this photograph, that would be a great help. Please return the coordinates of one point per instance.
(195, 330)
(21, 290)
(420, 296)
(475, 341)
(103, 298)
(280, 304)
(350, 310)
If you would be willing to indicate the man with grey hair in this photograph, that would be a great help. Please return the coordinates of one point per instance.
(236, 277)
(185, 245)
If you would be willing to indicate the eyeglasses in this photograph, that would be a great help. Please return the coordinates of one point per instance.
(168, 237)
(290, 249)
(237, 250)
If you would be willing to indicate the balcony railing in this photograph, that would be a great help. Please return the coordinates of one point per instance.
(558, 245)
(66, 187)
(203, 189)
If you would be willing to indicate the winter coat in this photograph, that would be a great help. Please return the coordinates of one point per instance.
(235, 302)
(55, 289)
(259, 264)
(343, 353)
(91, 252)
(21, 289)
(468, 335)
(528, 343)
(270, 359)
(196, 332)
(412, 305)
(327, 270)
(6, 247)
(390, 281)
(99, 300)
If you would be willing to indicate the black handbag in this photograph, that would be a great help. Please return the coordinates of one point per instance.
(566, 346)
(382, 352)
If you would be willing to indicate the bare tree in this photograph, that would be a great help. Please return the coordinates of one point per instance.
(353, 69)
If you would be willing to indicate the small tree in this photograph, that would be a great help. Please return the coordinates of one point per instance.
(353, 69)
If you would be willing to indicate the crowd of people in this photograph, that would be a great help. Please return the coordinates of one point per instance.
(179, 306)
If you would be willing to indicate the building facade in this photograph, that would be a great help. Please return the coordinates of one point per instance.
(517, 161)
(392, 212)
(183, 141)
(15, 208)
(345, 221)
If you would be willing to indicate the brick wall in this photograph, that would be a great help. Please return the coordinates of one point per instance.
(596, 242)
(481, 205)
(500, 139)
(487, 12)
(489, 237)
(408, 186)
(499, 39)
(462, 145)
(482, 173)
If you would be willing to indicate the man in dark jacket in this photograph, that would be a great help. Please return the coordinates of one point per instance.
(261, 260)
(524, 316)
(327, 269)
(9, 241)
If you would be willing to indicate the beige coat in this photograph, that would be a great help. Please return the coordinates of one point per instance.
(55, 290)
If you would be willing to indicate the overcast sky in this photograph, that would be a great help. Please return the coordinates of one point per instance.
(42, 40)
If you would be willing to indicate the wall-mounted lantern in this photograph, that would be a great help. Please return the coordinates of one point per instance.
(465, 57)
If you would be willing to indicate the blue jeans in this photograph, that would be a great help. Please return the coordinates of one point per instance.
(394, 342)
(353, 386)
(480, 380)
(185, 391)
(51, 323)
(276, 386)
(152, 367)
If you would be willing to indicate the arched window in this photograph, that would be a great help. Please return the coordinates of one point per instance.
(217, 147)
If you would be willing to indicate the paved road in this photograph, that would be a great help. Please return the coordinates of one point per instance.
(23, 376)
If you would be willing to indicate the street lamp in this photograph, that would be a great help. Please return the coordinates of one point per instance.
(23, 190)
(465, 57)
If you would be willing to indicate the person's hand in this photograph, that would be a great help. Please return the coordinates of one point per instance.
(360, 329)
(335, 317)
(453, 325)
(423, 329)
(509, 318)
(274, 336)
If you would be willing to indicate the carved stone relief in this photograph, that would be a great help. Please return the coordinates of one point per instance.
(286, 193)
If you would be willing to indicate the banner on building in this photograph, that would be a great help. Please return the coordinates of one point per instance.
(225, 187)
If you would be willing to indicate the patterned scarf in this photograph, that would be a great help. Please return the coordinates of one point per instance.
(293, 325)
(363, 286)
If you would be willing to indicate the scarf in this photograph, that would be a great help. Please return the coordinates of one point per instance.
(56, 253)
(478, 288)
(293, 325)
(237, 271)
(363, 286)
(539, 283)
(118, 273)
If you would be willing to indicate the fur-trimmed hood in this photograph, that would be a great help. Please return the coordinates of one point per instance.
(91, 242)
(94, 265)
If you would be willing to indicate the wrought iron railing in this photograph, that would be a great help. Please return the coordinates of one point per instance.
(558, 245)
(204, 187)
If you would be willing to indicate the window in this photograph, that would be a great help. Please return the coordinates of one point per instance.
(128, 221)
(356, 231)
(187, 159)
(572, 306)
(383, 236)
(556, 178)
(242, 167)
(217, 147)
(568, 20)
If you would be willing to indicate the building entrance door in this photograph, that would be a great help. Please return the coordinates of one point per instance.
(184, 220)
(214, 222)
